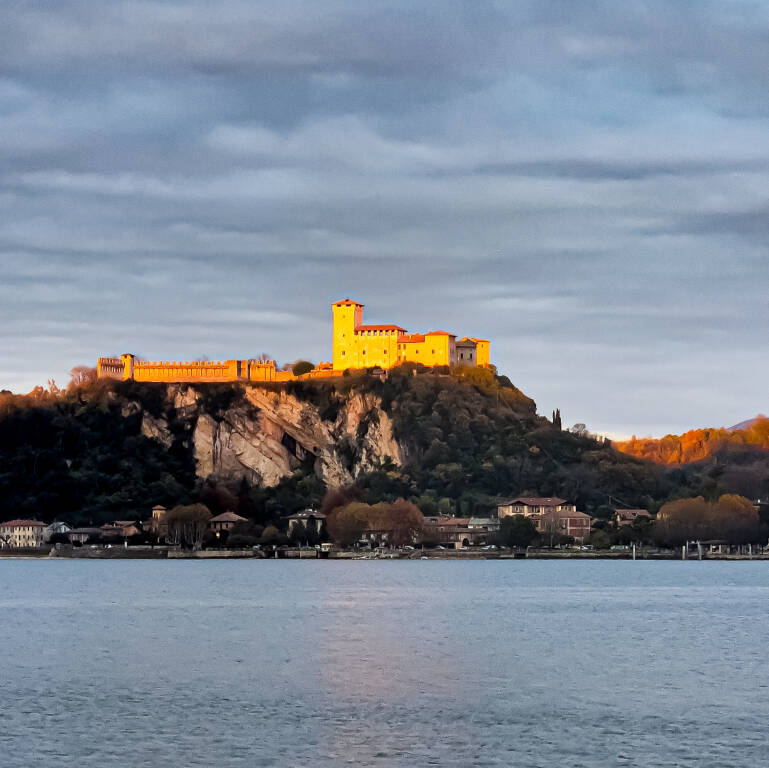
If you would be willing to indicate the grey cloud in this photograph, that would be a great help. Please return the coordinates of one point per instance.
(584, 183)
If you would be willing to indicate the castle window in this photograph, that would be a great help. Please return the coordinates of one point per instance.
(342, 353)
(364, 352)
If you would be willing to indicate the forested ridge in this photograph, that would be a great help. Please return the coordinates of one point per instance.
(467, 440)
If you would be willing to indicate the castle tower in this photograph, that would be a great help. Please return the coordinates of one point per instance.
(347, 315)
(128, 365)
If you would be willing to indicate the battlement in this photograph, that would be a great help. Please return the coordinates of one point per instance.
(128, 367)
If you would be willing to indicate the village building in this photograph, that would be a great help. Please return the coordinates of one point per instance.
(121, 529)
(457, 532)
(628, 516)
(84, 535)
(307, 520)
(575, 525)
(225, 522)
(157, 523)
(55, 528)
(22, 534)
(530, 506)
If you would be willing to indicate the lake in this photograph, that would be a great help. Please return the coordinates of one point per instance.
(325, 663)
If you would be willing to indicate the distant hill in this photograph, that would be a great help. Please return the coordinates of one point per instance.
(699, 444)
(748, 423)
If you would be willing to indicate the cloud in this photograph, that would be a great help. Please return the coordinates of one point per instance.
(584, 183)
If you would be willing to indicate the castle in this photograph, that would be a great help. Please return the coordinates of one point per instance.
(354, 345)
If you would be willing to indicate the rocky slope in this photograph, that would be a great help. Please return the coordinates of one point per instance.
(265, 435)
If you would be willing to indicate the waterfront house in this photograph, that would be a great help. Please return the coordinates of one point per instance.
(56, 527)
(225, 522)
(157, 523)
(531, 506)
(456, 532)
(575, 525)
(627, 516)
(82, 535)
(22, 534)
(308, 519)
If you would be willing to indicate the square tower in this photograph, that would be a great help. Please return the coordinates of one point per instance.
(347, 315)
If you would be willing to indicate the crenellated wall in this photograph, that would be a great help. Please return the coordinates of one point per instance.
(169, 371)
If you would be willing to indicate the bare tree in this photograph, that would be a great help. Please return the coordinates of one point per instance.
(187, 525)
(82, 375)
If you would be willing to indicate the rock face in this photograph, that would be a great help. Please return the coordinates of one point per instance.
(265, 435)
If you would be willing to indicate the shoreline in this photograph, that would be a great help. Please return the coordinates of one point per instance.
(162, 553)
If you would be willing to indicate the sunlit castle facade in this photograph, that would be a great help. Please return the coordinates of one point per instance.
(354, 345)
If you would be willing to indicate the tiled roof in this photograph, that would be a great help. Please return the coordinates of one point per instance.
(563, 514)
(439, 333)
(534, 501)
(22, 523)
(380, 327)
(227, 517)
(306, 516)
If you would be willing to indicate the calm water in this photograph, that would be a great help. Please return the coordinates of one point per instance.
(397, 663)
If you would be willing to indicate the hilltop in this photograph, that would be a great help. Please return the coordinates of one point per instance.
(451, 442)
(749, 437)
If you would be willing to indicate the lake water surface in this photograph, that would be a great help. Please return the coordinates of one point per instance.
(261, 663)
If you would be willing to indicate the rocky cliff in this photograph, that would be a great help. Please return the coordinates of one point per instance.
(264, 435)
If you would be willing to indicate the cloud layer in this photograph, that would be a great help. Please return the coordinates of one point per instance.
(585, 183)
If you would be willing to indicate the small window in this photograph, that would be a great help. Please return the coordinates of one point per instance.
(342, 353)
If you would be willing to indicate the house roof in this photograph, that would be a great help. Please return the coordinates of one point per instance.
(439, 333)
(159, 506)
(124, 523)
(534, 501)
(562, 514)
(23, 524)
(227, 517)
(85, 530)
(306, 516)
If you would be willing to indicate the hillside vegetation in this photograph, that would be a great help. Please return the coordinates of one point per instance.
(460, 442)
(699, 444)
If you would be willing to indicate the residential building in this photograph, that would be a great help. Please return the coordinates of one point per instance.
(564, 523)
(225, 522)
(530, 506)
(456, 532)
(83, 535)
(158, 524)
(56, 527)
(627, 516)
(22, 534)
(308, 519)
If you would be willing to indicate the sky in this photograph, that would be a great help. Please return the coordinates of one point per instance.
(586, 184)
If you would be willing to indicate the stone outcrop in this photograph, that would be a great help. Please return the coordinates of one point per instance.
(265, 435)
